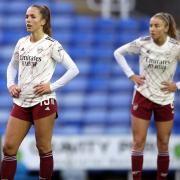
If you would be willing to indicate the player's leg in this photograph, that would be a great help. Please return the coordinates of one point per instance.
(163, 135)
(139, 132)
(141, 114)
(43, 133)
(164, 124)
(44, 117)
(15, 132)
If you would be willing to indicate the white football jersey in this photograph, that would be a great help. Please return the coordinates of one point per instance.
(35, 62)
(156, 64)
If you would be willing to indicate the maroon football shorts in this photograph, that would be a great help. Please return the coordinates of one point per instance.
(143, 108)
(41, 110)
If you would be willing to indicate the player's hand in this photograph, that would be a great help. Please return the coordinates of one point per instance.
(168, 87)
(41, 89)
(14, 90)
(137, 79)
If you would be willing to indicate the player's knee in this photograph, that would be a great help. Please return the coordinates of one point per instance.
(138, 144)
(9, 148)
(43, 147)
(162, 145)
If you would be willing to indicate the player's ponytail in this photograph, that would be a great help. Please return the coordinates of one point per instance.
(46, 14)
(170, 22)
(172, 32)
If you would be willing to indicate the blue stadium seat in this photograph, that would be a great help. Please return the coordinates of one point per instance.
(102, 54)
(14, 7)
(117, 129)
(125, 37)
(82, 53)
(93, 129)
(77, 84)
(96, 100)
(119, 116)
(81, 39)
(116, 70)
(101, 69)
(84, 24)
(4, 114)
(3, 71)
(6, 101)
(103, 38)
(62, 8)
(120, 84)
(72, 99)
(3, 85)
(95, 115)
(71, 116)
(120, 100)
(128, 24)
(64, 37)
(6, 53)
(13, 23)
(97, 84)
(11, 38)
(105, 25)
(84, 67)
(143, 23)
(64, 22)
(68, 129)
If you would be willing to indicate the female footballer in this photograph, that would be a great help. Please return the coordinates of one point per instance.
(35, 58)
(159, 54)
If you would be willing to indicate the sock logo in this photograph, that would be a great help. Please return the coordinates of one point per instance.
(41, 177)
(136, 172)
(163, 174)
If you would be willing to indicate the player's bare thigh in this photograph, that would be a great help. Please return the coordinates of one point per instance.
(43, 132)
(15, 132)
(139, 131)
(164, 129)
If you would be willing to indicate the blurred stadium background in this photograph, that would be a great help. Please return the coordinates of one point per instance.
(92, 135)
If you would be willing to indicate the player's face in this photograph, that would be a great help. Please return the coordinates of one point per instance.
(158, 28)
(34, 21)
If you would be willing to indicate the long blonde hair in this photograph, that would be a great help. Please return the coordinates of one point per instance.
(170, 22)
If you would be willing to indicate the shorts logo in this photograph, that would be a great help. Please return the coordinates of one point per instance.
(135, 107)
(172, 106)
(47, 108)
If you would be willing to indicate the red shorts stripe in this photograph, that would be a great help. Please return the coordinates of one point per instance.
(143, 108)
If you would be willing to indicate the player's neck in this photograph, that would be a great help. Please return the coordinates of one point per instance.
(160, 41)
(36, 36)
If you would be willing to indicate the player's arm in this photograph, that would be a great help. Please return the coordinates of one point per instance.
(119, 54)
(61, 56)
(169, 87)
(12, 69)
